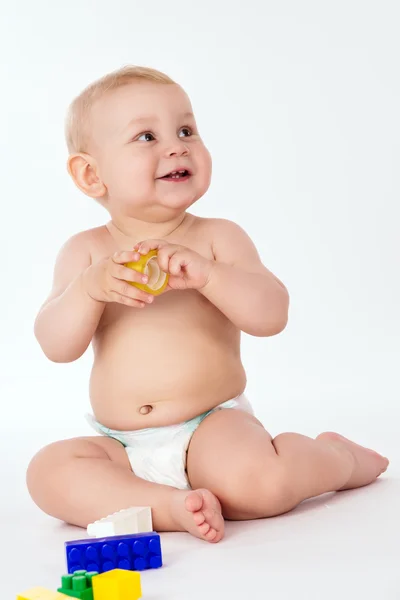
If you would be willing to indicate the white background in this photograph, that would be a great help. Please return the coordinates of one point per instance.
(298, 103)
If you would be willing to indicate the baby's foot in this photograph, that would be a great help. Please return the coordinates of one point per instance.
(368, 464)
(199, 513)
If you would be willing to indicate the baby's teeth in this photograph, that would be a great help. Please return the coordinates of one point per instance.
(176, 174)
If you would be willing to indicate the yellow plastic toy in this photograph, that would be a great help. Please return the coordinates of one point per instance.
(117, 584)
(148, 265)
(40, 593)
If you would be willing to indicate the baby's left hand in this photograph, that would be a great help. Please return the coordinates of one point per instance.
(187, 269)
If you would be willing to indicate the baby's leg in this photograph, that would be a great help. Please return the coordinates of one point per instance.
(84, 479)
(255, 476)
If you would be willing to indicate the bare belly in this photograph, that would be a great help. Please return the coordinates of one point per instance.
(165, 363)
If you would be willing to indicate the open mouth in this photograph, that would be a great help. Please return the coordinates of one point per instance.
(180, 175)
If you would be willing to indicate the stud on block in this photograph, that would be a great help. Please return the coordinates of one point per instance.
(136, 519)
(78, 584)
(135, 552)
(117, 585)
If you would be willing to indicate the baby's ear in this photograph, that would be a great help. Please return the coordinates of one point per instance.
(84, 171)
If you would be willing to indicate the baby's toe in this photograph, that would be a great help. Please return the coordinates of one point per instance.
(204, 528)
(193, 502)
(213, 518)
(210, 535)
(198, 518)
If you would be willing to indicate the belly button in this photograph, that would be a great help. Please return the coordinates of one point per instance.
(144, 410)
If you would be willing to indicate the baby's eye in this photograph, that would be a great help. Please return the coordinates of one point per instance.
(146, 136)
(189, 132)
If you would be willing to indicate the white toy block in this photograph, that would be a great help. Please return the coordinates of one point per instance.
(136, 519)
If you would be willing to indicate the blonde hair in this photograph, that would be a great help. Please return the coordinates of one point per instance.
(76, 130)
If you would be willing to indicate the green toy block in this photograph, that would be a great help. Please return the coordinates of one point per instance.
(78, 585)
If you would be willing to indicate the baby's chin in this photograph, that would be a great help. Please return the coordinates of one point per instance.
(157, 210)
(178, 200)
(160, 205)
(177, 208)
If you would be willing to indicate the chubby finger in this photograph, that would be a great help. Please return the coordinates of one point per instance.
(126, 300)
(128, 274)
(176, 262)
(125, 256)
(123, 288)
(164, 256)
(147, 245)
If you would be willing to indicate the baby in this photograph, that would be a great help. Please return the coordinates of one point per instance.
(167, 385)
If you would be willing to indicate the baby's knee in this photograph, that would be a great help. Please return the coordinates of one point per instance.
(55, 467)
(279, 492)
(265, 493)
(41, 466)
(48, 467)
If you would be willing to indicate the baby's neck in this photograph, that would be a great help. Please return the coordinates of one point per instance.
(130, 231)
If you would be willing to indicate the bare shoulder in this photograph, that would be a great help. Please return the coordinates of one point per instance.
(84, 243)
(74, 257)
(214, 229)
(232, 245)
(230, 242)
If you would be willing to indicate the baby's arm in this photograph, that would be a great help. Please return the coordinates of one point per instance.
(69, 317)
(252, 297)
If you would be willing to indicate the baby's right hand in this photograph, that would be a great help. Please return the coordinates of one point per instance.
(106, 281)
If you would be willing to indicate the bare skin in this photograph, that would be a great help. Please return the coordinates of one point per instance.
(270, 478)
(196, 358)
(167, 360)
(246, 481)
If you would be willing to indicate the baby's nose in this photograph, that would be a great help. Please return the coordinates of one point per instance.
(177, 149)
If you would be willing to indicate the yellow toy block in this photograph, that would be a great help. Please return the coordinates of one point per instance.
(117, 584)
(40, 593)
(148, 265)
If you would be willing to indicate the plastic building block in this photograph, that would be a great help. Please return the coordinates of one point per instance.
(135, 552)
(117, 585)
(148, 265)
(40, 593)
(78, 584)
(136, 519)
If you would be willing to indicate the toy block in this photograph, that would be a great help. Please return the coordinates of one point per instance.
(117, 585)
(40, 593)
(78, 584)
(135, 552)
(136, 519)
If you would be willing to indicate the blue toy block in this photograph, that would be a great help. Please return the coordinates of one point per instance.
(134, 552)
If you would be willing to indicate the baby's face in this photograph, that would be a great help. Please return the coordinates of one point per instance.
(141, 133)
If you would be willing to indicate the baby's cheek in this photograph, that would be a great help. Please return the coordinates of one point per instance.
(205, 167)
(132, 177)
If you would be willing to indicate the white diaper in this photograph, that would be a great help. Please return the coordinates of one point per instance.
(158, 454)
